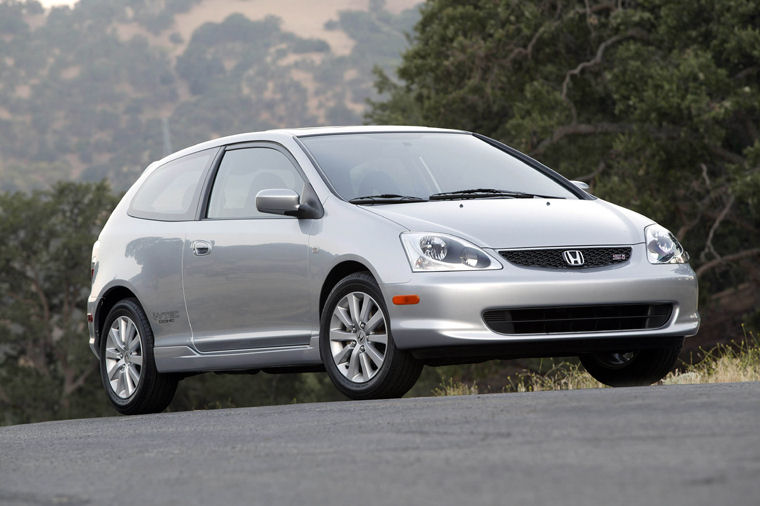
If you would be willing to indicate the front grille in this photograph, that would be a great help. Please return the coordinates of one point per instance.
(564, 319)
(553, 259)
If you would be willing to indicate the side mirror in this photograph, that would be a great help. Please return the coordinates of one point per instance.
(580, 184)
(278, 201)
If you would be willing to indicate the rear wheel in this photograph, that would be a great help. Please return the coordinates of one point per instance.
(632, 368)
(356, 344)
(127, 368)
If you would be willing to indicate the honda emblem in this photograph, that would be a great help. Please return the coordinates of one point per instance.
(573, 257)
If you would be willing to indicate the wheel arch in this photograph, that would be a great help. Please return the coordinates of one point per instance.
(110, 298)
(338, 272)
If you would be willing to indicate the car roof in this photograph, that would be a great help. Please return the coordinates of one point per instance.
(331, 130)
(297, 132)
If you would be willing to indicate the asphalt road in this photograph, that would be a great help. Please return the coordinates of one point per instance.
(665, 445)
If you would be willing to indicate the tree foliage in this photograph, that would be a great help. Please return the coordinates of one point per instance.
(656, 103)
(46, 369)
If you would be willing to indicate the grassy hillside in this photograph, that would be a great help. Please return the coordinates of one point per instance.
(101, 89)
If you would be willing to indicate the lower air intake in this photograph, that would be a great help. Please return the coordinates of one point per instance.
(568, 319)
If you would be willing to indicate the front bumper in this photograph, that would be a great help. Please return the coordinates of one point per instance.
(452, 303)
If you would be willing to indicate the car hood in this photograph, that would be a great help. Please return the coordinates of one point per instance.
(522, 223)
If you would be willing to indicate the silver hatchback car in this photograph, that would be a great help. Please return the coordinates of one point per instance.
(369, 252)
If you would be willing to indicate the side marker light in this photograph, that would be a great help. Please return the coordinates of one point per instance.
(402, 300)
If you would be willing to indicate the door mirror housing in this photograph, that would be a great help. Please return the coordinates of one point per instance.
(278, 201)
(287, 202)
(580, 184)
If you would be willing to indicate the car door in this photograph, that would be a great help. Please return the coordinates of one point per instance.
(152, 244)
(245, 273)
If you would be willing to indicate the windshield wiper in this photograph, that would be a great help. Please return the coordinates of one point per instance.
(484, 193)
(386, 198)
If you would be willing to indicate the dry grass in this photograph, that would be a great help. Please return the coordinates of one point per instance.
(563, 376)
(723, 364)
(454, 387)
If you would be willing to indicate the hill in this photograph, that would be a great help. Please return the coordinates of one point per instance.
(102, 89)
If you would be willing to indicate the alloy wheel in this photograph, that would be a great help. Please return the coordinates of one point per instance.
(124, 358)
(358, 337)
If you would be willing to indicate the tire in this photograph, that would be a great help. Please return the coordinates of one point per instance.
(633, 368)
(134, 385)
(362, 363)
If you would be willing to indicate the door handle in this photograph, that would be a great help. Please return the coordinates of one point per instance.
(201, 248)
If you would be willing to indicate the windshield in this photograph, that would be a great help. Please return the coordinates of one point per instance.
(424, 164)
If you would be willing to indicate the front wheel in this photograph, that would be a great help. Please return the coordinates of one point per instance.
(632, 368)
(127, 368)
(356, 344)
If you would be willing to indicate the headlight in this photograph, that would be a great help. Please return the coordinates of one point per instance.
(663, 247)
(442, 252)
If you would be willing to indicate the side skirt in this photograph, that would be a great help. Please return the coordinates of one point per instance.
(171, 359)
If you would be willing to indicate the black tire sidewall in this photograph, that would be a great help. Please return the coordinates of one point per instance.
(647, 367)
(359, 282)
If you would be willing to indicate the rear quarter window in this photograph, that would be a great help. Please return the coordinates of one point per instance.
(171, 192)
